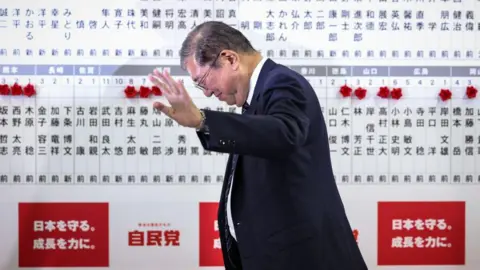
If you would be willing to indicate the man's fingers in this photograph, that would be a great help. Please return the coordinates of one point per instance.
(156, 81)
(171, 82)
(159, 79)
(181, 87)
(163, 108)
(166, 80)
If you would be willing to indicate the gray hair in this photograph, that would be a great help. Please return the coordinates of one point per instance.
(207, 40)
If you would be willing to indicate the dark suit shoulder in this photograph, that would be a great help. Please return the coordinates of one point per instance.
(282, 82)
(280, 74)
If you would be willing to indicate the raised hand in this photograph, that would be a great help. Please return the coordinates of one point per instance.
(182, 109)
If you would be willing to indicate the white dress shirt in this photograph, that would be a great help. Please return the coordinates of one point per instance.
(253, 83)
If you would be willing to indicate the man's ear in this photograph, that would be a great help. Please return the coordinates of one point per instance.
(231, 59)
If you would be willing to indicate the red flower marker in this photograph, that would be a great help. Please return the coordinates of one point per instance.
(346, 91)
(17, 90)
(383, 92)
(355, 234)
(445, 94)
(130, 91)
(29, 90)
(471, 92)
(360, 93)
(144, 92)
(156, 91)
(4, 90)
(396, 93)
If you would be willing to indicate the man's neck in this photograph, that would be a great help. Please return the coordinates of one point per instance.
(252, 62)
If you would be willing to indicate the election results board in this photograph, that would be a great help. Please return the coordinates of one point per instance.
(92, 177)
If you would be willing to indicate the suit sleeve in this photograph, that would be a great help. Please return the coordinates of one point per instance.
(276, 134)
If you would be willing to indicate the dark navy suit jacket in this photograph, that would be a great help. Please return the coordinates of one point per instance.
(287, 210)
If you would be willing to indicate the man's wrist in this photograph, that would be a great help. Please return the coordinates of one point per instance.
(201, 125)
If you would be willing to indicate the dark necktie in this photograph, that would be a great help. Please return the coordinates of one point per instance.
(227, 191)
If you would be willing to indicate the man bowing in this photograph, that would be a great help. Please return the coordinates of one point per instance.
(280, 208)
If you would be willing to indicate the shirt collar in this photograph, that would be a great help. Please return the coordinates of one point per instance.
(254, 79)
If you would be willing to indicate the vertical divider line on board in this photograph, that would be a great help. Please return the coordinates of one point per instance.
(351, 176)
(450, 115)
(74, 171)
(125, 104)
(150, 116)
(389, 125)
(100, 123)
(138, 104)
(36, 131)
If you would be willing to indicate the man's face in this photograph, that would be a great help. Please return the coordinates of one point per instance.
(219, 81)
